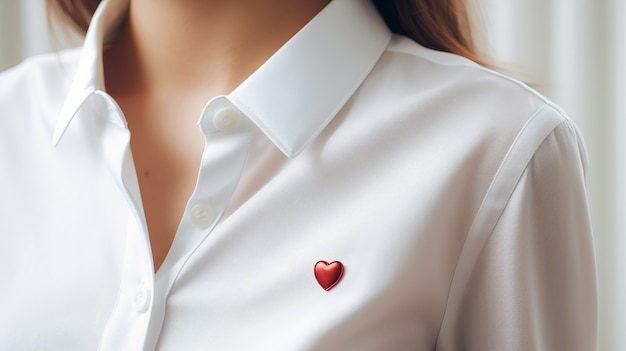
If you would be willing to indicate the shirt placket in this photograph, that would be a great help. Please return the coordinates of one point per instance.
(128, 323)
(227, 145)
(138, 316)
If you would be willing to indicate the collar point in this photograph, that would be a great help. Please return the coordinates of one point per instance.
(58, 134)
(289, 149)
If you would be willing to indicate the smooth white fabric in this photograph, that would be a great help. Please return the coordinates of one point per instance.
(453, 196)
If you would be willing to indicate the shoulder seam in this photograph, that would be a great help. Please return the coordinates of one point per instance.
(520, 153)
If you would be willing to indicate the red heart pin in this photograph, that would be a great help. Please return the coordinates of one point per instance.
(328, 274)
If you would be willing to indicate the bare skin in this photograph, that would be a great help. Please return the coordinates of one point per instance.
(171, 57)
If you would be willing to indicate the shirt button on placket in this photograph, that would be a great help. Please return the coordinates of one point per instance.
(202, 215)
(142, 299)
(226, 119)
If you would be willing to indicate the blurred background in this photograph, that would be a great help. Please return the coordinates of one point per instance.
(573, 51)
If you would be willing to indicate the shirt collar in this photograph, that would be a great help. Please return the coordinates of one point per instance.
(294, 95)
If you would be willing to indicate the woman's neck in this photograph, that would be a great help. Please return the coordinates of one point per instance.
(204, 46)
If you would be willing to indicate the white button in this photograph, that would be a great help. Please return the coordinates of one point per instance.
(202, 215)
(142, 299)
(226, 119)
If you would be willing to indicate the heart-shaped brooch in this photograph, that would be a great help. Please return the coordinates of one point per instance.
(328, 274)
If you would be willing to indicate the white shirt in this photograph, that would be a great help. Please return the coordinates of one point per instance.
(452, 196)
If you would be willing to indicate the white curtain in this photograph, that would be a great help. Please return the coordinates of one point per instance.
(573, 51)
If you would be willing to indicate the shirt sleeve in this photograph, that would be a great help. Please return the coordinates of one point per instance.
(533, 285)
